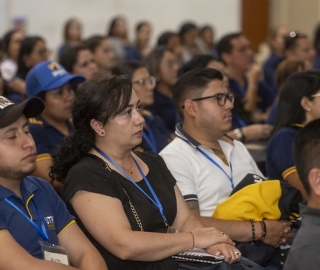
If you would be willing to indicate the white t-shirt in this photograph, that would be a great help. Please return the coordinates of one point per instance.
(201, 180)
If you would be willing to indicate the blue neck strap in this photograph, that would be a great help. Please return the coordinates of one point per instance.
(214, 162)
(155, 201)
(42, 231)
(148, 136)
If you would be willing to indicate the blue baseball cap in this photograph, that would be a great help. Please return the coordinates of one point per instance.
(47, 76)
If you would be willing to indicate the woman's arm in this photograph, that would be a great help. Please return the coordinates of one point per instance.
(105, 219)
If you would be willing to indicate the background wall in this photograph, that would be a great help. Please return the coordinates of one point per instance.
(46, 17)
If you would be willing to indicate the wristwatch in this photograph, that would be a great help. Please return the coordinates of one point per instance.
(239, 134)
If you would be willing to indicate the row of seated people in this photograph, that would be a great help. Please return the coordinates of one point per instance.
(107, 125)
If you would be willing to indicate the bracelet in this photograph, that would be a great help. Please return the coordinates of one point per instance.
(193, 244)
(263, 232)
(253, 230)
(264, 229)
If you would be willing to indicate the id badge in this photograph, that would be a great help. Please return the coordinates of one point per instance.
(54, 253)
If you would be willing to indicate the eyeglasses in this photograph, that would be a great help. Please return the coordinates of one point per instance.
(142, 82)
(294, 34)
(220, 97)
(316, 95)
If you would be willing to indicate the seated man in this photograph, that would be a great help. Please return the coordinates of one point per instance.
(208, 164)
(30, 210)
(304, 253)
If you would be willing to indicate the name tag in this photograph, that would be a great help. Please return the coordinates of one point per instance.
(54, 253)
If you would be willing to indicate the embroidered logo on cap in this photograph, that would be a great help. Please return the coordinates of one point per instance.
(56, 69)
(4, 102)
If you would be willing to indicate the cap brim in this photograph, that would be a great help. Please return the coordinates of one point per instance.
(63, 80)
(30, 108)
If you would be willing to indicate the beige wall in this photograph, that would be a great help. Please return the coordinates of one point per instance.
(300, 15)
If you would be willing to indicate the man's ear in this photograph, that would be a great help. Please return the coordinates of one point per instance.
(305, 104)
(98, 127)
(226, 58)
(314, 180)
(190, 107)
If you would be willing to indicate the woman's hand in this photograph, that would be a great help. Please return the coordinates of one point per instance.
(207, 237)
(230, 252)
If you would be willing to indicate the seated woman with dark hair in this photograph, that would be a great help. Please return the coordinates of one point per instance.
(155, 134)
(126, 202)
(78, 59)
(299, 103)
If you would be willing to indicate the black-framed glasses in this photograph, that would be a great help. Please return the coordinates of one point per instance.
(220, 97)
(142, 82)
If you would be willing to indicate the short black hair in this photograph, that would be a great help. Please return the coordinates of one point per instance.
(192, 84)
(127, 68)
(290, 42)
(224, 45)
(307, 152)
(165, 37)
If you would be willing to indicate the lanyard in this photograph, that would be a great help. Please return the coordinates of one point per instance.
(148, 136)
(42, 232)
(155, 201)
(214, 162)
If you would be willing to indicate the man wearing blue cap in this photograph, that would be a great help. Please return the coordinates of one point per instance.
(54, 85)
(36, 229)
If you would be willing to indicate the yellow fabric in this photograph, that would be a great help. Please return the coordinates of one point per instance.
(289, 171)
(35, 121)
(257, 201)
(43, 157)
(70, 223)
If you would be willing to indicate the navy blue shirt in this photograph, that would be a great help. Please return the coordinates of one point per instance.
(280, 162)
(269, 70)
(46, 137)
(163, 106)
(156, 135)
(36, 194)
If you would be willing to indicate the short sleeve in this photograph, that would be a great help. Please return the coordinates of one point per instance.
(280, 155)
(92, 175)
(39, 136)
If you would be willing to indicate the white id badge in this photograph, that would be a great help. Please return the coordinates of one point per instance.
(54, 253)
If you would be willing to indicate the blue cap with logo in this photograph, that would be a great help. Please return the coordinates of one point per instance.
(47, 76)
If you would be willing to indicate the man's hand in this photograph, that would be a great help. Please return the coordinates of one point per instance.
(278, 231)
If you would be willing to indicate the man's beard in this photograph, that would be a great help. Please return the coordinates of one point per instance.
(10, 173)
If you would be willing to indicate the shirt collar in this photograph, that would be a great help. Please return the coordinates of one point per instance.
(26, 187)
(182, 134)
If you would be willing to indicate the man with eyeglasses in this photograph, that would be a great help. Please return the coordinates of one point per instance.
(208, 164)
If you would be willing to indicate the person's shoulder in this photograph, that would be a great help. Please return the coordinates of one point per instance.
(285, 134)
(87, 163)
(176, 146)
(38, 182)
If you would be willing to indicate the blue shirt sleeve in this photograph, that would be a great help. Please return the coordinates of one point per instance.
(40, 138)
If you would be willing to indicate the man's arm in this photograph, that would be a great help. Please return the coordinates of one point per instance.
(81, 252)
(277, 231)
(10, 249)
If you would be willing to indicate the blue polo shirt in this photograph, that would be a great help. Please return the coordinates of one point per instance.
(36, 194)
(156, 135)
(163, 106)
(269, 70)
(280, 162)
(46, 137)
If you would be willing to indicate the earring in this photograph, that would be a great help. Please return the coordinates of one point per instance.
(102, 133)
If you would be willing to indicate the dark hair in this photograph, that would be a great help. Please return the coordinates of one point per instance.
(94, 42)
(127, 68)
(198, 61)
(307, 152)
(290, 42)
(287, 68)
(69, 56)
(205, 28)
(141, 24)
(224, 45)
(192, 84)
(297, 86)
(152, 61)
(186, 27)
(7, 39)
(112, 24)
(164, 38)
(66, 29)
(316, 38)
(101, 99)
(26, 48)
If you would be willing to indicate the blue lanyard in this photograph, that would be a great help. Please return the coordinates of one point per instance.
(156, 201)
(42, 232)
(148, 136)
(215, 163)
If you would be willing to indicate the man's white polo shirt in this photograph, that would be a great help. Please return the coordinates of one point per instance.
(201, 180)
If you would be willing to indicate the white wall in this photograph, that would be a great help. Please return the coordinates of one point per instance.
(46, 17)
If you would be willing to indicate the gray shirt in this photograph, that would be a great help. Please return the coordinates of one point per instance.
(305, 250)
